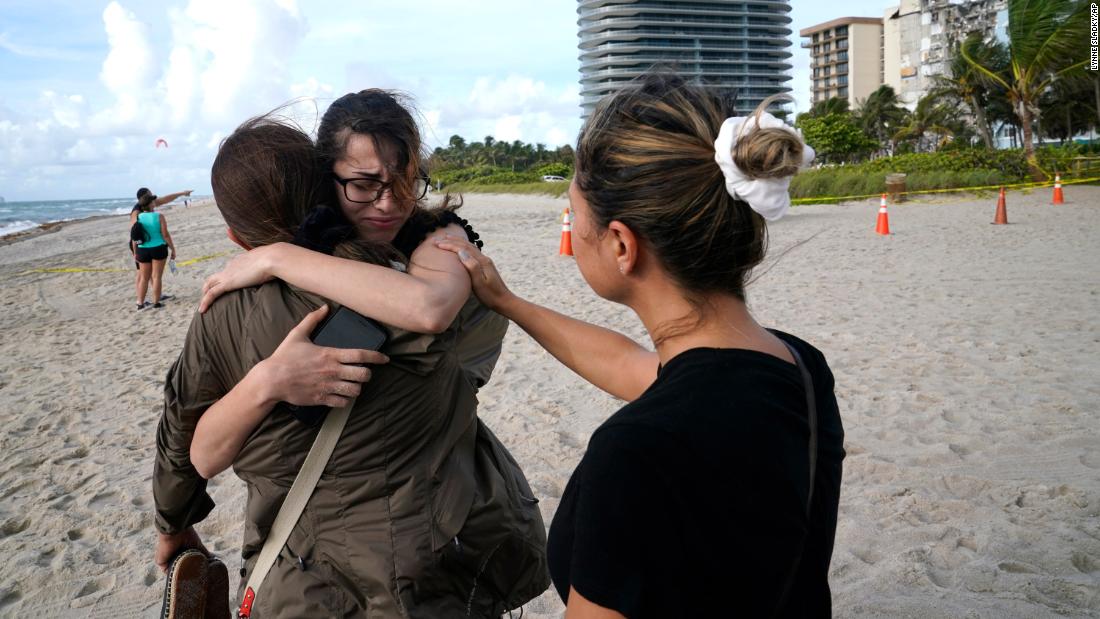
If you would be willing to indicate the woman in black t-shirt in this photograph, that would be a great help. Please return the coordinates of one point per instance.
(714, 491)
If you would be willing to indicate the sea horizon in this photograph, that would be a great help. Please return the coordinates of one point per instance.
(18, 216)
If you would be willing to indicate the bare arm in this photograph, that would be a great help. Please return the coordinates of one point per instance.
(424, 300)
(161, 201)
(580, 607)
(224, 427)
(607, 359)
(297, 372)
(167, 237)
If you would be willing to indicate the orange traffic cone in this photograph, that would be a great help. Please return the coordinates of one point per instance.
(1002, 215)
(1058, 199)
(566, 246)
(883, 224)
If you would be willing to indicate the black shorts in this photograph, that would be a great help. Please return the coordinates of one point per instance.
(149, 254)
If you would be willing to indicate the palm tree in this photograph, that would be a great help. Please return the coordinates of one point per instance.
(1046, 43)
(489, 151)
(457, 147)
(929, 117)
(966, 84)
(1068, 109)
(880, 115)
(832, 105)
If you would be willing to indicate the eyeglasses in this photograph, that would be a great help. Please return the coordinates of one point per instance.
(370, 190)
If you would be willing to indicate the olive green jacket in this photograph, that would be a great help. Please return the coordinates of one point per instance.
(420, 511)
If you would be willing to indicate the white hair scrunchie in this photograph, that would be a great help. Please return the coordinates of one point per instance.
(768, 196)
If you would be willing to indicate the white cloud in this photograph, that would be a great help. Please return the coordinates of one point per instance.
(82, 152)
(129, 70)
(557, 137)
(220, 63)
(67, 111)
(192, 70)
(515, 108)
(37, 51)
(311, 88)
(507, 128)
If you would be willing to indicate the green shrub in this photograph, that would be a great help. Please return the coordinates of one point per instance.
(554, 169)
(460, 175)
(856, 180)
(504, 178)
(534, 188)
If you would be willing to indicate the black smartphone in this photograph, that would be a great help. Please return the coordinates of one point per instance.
(343, 328)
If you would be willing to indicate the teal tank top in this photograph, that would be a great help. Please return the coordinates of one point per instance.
(151, 223)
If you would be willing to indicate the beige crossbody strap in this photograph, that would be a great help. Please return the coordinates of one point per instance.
(295, 502)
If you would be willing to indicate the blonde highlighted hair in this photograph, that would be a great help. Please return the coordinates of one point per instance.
(646, 158)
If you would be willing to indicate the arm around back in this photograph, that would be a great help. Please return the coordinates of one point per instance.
(425, 300)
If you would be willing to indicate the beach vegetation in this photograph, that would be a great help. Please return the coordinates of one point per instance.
(880, 116)
(556, 190)
(945, 169)
(835, 136)
(1045, 39)
(495, 164)
(964, 85)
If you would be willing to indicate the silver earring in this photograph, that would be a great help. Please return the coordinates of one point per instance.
(621, 272)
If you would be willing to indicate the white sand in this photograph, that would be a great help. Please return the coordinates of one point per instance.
(966, 359)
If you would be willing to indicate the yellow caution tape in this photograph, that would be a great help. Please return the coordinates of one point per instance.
(951, 190)
(108, 270)
(73, 270)
(202, 259)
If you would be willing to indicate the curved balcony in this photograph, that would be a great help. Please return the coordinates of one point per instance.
(751, 66)
(752, 13)
(777, 42)
(719, 27)
(753, 5)
(743, 44)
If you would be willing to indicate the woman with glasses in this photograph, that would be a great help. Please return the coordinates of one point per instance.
(371, 144)
(370, 147)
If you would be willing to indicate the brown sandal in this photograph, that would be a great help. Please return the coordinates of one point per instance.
(197, 587)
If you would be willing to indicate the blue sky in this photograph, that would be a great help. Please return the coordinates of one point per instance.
(87, 87)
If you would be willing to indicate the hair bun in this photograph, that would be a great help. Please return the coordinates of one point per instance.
(768, 153)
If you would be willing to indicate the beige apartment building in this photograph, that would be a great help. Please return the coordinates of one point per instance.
(845, 57)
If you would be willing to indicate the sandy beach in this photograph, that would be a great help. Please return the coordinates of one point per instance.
(966, 358)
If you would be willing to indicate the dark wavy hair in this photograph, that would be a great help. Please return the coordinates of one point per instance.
(386, 116)
(268, 178)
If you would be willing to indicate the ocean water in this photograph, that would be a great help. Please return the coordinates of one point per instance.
(19, 216)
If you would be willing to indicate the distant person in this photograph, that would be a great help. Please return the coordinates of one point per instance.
(158, 201)
(141, 193)
(153, 247)
(701, 496)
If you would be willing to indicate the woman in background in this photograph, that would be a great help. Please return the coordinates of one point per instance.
(141, 196)
(153, 251)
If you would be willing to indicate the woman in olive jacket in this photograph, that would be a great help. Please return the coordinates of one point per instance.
(420, 511)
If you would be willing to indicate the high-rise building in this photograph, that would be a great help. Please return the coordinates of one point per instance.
(920, 34)
(740, 45)
(845, 57)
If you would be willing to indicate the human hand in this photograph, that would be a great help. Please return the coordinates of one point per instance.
(173, 254)
(248, 269)
(484, 277)
(304, 374)
(168, 546)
